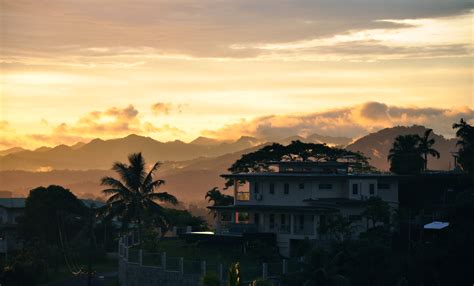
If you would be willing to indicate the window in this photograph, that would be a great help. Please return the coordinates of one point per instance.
(301, 186)
(325, 186)
(272, 188)
(283, 219)
(372, 189)
(355, 189)
(286, 189)
(383, 186)
(301, 217)
(255, 188)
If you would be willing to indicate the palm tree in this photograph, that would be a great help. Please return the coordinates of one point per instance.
(217, 198)
(133, 195)
(426, 149)
(465, 135)
(405, 156)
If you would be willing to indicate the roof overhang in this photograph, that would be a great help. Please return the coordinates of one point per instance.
(273, 208)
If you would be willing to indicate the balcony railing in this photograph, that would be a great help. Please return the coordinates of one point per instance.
(243, 196)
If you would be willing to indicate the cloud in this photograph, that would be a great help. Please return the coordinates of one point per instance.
(110, 123)
(203, 29)
(352, 121)
(161, 108)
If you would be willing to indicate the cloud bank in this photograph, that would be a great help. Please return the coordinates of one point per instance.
(353, 121)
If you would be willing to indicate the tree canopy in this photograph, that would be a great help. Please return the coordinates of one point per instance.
(133, 195)
(465, 135)
(296, 151)
(46, 209)
(405, 156)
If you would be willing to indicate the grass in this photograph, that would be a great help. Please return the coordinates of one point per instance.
(194, 253)
(63, 274)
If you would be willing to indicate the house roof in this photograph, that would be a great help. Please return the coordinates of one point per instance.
(273, 208)
(19, 203)
(305, 175)
(12, 203)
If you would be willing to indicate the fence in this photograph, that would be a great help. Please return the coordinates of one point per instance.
(137, 267)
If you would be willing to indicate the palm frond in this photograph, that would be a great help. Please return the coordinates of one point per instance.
(163, 197)
(149, 177)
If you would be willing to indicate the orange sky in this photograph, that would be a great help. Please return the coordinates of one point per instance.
(181, 69)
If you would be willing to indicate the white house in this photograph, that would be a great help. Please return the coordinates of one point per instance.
(295, 198)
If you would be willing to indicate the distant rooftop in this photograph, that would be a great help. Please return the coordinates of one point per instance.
(19, 203)
(12, 203)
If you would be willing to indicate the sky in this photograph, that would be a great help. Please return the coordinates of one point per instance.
(177, 69)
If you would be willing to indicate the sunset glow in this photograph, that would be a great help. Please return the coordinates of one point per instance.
(182, 69)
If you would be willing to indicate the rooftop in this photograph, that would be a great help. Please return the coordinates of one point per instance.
(307, 175)
(19, 203)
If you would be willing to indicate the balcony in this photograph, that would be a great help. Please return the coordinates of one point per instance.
(243, 196)
(238, 228)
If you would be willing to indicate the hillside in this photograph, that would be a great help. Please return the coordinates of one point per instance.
(377, 145)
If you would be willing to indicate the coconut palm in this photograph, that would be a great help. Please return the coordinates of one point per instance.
(425, 146)
(405, 156)
(133, 195)
(217, 198)
(465, 135)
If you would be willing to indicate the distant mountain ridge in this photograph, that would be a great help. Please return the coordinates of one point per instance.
(377, 146)
(100, 154)
(188, 179)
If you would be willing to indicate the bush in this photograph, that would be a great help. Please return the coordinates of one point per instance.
(209, 279)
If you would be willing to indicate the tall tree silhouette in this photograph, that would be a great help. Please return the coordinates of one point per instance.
(465, 134)
(426, 149)
(405, 156)
(134, 194)
(217, 198)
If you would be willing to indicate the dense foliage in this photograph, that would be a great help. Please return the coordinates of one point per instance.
(465, 134)
(296, 151)
(132, 198)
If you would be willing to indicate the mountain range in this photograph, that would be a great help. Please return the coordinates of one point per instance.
(189, 169)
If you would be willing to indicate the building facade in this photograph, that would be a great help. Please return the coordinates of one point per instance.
(295, 200)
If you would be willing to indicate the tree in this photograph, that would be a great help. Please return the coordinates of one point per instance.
(425, 146)
(133, 196)
(405, 156)
(174, 217)
(465, 135)
(376, 211)
(296, 151)
(48, 209)
(217, 198)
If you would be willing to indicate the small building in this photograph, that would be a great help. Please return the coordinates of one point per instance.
(294, 200)
(10, 210)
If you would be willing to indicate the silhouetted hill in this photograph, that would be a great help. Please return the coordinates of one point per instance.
(11, 151)
(188, 180)
(100, 154)
(377, 145)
